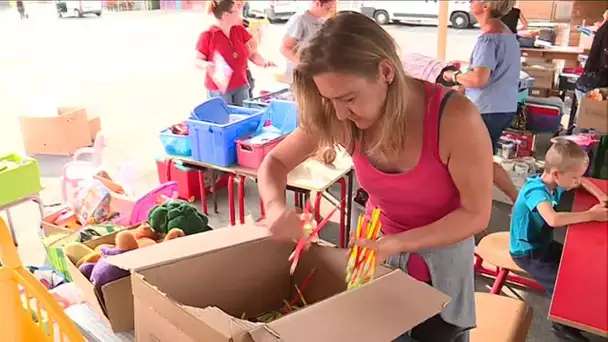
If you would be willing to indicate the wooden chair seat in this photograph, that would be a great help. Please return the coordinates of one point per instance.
(500, 319)
(494, 248)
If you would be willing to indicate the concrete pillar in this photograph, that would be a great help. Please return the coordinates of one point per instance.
(442, 29)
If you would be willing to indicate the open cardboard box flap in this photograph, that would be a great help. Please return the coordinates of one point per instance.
(379, 311)
(185, 247)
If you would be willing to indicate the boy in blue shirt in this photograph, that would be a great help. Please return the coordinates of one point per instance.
(533, 219)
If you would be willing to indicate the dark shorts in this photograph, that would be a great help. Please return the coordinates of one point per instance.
(542, 265)
(496, 124)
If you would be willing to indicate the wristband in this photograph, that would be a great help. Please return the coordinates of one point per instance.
(455, 76)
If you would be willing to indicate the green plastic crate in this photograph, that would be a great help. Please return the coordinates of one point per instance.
(19, 177)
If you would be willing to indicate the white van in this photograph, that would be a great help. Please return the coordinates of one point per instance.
(418, 11)
(78, 8)
(275, 10)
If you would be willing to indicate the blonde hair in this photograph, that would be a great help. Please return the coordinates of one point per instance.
(500, 8)
(565, 156)
(351, 43)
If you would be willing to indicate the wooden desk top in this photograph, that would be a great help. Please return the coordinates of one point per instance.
(555, 49)
(311, 175)
(581, 292)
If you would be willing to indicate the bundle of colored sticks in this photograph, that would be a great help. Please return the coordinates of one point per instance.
(295, 304)
(362, 261)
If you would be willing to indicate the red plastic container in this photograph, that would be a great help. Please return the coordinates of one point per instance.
(251, 156)
(187, 180)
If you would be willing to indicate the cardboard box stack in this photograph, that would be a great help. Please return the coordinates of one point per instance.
(58, 132)
(544, 76)
(211, 287)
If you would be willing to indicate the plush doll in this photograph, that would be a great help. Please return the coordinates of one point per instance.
(101, 272)
(177, 214)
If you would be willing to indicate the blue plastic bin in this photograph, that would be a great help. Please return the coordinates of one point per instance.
(214, 126)
(283, 115)
(262, 102)
(175, 145)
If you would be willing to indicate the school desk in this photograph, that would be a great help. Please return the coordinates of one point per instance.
(580, 299)
(311, 176)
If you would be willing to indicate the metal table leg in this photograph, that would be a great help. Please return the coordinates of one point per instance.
(33, 198)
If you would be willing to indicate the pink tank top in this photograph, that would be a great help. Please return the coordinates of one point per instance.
(418, 197)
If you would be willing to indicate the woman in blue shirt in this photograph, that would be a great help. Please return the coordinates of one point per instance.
(493, 80)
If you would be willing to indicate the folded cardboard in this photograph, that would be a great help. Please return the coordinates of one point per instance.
(63, 134)
(198, 288)
(593, 114)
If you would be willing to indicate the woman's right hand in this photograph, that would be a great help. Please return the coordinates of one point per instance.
(283, 223)
(599, 213)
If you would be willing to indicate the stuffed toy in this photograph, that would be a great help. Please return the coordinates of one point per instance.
(177, 214)
(91, 262)
(101, 272)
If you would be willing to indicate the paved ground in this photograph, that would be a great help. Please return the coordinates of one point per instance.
(136, 71)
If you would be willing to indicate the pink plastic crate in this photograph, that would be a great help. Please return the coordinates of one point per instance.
(251, 156)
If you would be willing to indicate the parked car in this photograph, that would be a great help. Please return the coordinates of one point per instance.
(276, 10)
(418, 11)
(78, 8)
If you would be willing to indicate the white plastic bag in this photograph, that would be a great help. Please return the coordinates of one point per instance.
(222, 73)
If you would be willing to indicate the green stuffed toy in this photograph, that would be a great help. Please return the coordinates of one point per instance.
(177, 214)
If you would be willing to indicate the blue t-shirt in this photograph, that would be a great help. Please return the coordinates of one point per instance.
(501, 54)
(529, 231)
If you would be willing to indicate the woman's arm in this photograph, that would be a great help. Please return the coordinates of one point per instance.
(523, 20)
(470, 165)
(288, 49)
(272, 173)
(254, 56)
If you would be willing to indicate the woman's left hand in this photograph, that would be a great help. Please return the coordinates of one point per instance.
(268, 64)
(447, 75)
(385, 246)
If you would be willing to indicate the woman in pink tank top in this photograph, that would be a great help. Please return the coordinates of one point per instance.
(424, 157)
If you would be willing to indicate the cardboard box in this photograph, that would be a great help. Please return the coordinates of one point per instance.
(116, 308)
(543, 74)
(594, 114)
(49, 227)
(195, 289)
(537, 92)
(63, 134)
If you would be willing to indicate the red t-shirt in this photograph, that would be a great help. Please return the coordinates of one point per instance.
(232, 49)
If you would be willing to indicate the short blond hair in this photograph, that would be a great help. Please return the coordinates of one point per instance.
(565, 156)
(500, 8)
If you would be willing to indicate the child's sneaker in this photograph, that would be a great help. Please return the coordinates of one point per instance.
(566, 333)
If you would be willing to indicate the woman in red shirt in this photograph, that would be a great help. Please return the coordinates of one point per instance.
(227, 39)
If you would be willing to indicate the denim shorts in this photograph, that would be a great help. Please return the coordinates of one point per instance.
(496, 124)
(233, 97)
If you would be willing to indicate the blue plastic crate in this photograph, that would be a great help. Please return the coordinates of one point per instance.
(262, 102)
(214, 126)
(283, 115)
(175, 145)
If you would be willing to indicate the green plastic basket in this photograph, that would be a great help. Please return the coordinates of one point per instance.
(19, 177)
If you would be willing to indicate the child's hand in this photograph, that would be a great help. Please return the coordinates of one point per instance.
(599, 213)
(603, 200)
